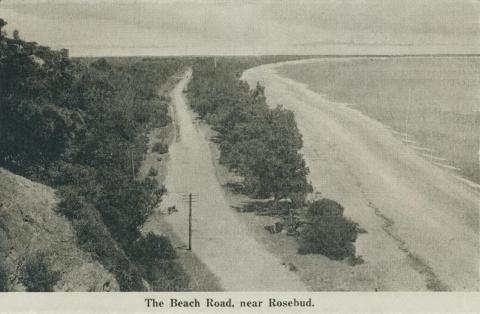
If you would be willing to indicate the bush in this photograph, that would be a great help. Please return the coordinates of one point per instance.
(325, 208)
(330, 233)
(4, 249)
(94, 238)
(167, 275)
(148, 249)
(127, 274)
(155, 256)
(71, 204)
(4, 281)
(37, 275)
(160, 148)
(153, 172)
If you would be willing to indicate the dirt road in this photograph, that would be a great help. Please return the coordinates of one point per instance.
(422, 223)
(220, 238)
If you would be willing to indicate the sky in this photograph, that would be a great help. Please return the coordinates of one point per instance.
(241, 27)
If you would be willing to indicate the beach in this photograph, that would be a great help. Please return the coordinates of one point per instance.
(422, 221)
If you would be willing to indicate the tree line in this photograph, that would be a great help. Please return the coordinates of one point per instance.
(263, 146)
(260, 144)
(81, 127)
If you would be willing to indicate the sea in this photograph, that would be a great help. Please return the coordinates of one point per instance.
(432, 103)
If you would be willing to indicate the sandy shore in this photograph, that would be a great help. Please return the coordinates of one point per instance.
(422, 222)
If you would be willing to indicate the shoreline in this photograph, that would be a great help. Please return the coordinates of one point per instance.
(418, 147)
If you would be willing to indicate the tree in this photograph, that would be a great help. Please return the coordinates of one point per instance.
(3, 23)
(70, 124)
(268, 158)
(260, 144)
(16, 34)
(36, 122)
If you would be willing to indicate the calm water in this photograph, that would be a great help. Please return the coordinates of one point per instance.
(433, 100)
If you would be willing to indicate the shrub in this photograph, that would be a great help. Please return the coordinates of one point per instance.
(160, 148)
(4, 249)
(150, 248)
(330, 233)
(167, 275)
(61, 173)
(325, 208)
(162, 119)
(37, 275)
(153, 172)
(155, 256)
(71, 204)
(94, 238)
(4, 281)
(128, 276)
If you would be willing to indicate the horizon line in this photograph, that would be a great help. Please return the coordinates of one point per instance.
(286, 55)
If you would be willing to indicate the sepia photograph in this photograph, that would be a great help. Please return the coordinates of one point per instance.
(239, 146)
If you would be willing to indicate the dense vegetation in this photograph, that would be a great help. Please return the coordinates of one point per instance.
(4, 282)
(330, 233)
(156, 258)
(260, 144)
(81, 127)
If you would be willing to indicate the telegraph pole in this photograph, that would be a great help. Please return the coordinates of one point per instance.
(190, 221)
(190, 198)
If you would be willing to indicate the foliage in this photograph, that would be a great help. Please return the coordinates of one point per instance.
(156, 256)
(270, 161)
(3, 23)
(4, 249)
(259, 143)
(80, 125)
(329, 233)
(160, 148)
(37, 274)
(93, 236)
(166, 275)
(16, 34)
(150, 248)
(125, 208)
(4, 281)
(37, 122)
(71, 204)
(153, 171)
